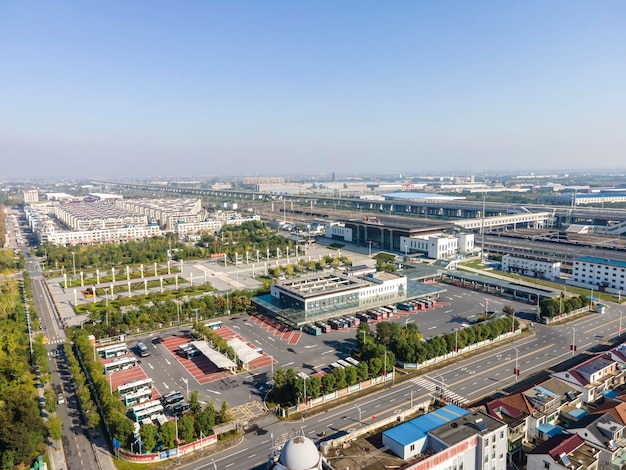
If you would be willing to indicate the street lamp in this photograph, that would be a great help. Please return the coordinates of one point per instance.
(74, 262)
(516, 369)
(183, 379)
(442, 388)
(358, 408)
(573, 345)
(214, 465)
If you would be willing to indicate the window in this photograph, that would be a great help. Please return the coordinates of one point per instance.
(486, 458)
(412, 447)
(501, 435)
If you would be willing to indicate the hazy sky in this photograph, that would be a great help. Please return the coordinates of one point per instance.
(175, 88)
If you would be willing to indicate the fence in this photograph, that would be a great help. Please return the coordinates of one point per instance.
(337, 394)
(564, 316)
(168, 454)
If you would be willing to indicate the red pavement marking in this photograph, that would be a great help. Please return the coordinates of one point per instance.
(199, 367)
(286, 335)
(295, 338)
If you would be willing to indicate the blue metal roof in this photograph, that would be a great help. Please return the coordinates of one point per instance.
(545, 391)
(550, 429)
(610, 393)
(578, 413)
(593, 259)
(417, 428)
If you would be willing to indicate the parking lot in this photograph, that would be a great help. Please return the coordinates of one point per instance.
(285, 347)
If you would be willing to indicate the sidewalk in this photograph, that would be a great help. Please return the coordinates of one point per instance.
(101, 449)
(57, 456)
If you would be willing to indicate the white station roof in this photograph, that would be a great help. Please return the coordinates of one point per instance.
(217, 358)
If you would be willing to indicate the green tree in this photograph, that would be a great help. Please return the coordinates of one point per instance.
(362, 370)
(167, 434)
(148, 433)
(224, 414)
(205, 420)
(186, 430)
(328, 383)
(55, 428)
(194, 403)
(351, 375)
(121, 426)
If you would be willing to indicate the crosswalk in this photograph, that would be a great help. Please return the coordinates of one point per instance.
(434, 386)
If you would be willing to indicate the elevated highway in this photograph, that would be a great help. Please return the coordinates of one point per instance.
(454, 209)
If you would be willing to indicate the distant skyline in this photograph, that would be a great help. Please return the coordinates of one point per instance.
(170, 89)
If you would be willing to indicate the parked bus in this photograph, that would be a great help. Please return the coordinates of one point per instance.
(135, 386)
(214, 325)
(352, 361)
(113, 350)
(140, 396)
(147, 410)
(393, 308)
(121, 363)
(142, 349)
(172, 398)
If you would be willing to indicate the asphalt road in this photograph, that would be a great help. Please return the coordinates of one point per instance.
(76, 445)
(469, 379)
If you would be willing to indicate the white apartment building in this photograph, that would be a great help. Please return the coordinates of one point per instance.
(184, 229)
(600, 273)
(531, 267)
(167, 212)
(31, 196)
(438, 246)
(109, 235)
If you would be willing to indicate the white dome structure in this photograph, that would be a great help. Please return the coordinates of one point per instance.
(299, 453)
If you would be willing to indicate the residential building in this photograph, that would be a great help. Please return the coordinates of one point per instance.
(450, 437)
(31, 196)
(563, 452)
(593, 376)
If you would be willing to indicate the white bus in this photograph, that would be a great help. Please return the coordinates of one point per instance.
(214, 325)
(147, 410)
(135, 386)
(352, 361)
(121, 363)
(114, 350)
(140, 396)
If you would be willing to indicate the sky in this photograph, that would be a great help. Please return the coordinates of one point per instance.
(124, 88)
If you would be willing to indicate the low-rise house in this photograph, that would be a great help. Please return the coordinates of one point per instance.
(565, 451)
(594, 376)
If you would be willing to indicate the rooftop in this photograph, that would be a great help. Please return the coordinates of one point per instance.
(417, 428)
(466, 426)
